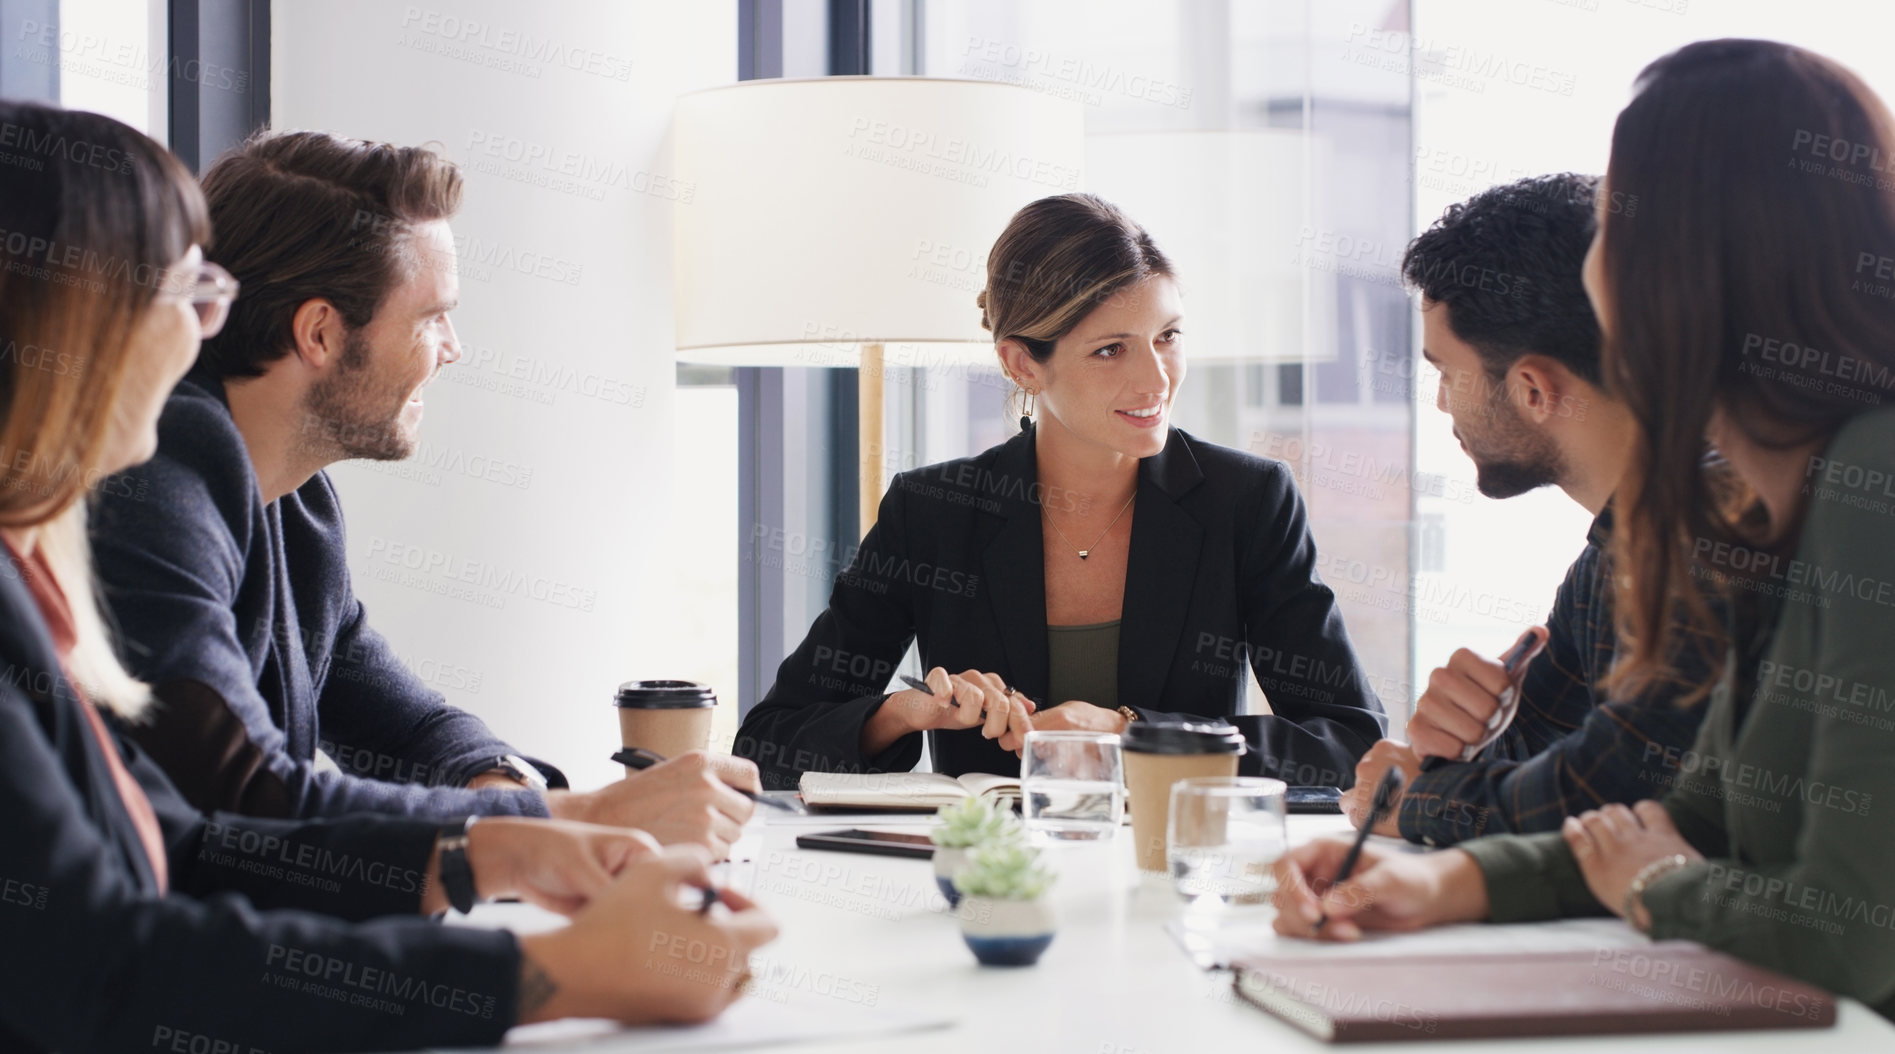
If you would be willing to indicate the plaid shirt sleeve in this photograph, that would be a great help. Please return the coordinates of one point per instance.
(1567, 750)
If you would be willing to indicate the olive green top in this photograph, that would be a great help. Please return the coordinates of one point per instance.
(1789, 791)
(1083, 663)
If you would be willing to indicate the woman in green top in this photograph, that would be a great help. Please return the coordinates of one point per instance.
(1744, 276)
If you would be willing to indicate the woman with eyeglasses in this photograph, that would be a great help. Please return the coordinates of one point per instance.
(1740, 276)
(130, 921)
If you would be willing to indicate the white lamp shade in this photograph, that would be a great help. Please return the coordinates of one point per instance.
(1230, 210)
(839, 211)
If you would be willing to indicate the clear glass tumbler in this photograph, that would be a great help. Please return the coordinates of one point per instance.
(1072, 785)
(1226, 834)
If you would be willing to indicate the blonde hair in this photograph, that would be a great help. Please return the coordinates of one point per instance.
(93, 662)
(101, 227)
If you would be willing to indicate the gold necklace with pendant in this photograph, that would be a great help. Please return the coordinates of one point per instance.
(1087, 551)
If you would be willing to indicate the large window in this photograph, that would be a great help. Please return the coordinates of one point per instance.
(1506, 89)
(1277, 180)
(1305, 332)
(1328, 134)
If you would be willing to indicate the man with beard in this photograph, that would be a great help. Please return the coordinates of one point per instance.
(222, 558)
(1506, 321)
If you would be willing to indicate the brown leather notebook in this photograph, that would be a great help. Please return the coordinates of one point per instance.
(1670, 986)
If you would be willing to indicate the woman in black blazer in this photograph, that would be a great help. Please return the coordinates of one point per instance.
(130, 921)
(1099, 568)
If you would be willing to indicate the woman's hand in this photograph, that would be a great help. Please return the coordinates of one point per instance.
(1613, 844)
(556, 864)
(1079, 717)
(640, 953)
(1387, 891)
(971, 699)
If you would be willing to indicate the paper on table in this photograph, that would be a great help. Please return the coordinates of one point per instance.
(814, 818)
(748, 1024)
(1213, 947)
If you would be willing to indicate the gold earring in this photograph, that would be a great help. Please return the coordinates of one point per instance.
(1026, 412)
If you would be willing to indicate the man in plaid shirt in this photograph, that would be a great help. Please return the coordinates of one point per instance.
(1506, 320)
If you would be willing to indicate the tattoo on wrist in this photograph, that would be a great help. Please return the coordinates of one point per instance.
(536, 987)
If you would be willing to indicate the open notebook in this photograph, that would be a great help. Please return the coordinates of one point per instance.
(904, 791)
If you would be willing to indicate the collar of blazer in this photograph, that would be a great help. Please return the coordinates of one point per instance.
(28, 660)
(29, 664)
(1160, 571)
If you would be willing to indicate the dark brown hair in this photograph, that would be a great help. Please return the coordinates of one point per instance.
(1059, 258)
(1718, 238)
(303, 216)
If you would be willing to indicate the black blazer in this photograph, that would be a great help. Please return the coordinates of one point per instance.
(1222, 570)
(96, 959)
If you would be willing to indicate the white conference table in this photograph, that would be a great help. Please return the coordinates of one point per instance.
(867, 940)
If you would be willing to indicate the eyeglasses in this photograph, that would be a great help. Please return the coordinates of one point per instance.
(209, 293)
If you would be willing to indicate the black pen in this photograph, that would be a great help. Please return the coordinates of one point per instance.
(639, 759)
(920, 685)
(1384, 800)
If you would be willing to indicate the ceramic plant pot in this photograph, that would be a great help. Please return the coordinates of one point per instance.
(1007, 932)
(947, 860)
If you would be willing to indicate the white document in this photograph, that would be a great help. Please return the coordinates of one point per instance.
(1214, 947)
(747, 1025)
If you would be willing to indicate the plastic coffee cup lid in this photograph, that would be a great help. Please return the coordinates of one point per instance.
(665, 695)
(1182, 737)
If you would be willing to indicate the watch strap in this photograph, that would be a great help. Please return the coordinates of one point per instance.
(457, 875)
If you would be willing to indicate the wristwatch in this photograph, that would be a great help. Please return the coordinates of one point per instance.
(457, 876)
(519, 768)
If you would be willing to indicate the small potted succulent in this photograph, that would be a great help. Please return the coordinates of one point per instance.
(1004, 915)
(970, 822)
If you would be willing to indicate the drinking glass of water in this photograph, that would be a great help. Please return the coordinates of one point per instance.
(1225, 835)
(1072, 785)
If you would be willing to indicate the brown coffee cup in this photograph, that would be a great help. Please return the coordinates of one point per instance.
(667, 718)
(1158, 754)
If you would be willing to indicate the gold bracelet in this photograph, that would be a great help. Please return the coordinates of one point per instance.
(1130, 715)
(1652, 872)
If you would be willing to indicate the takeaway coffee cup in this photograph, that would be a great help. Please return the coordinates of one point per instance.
(667, 718)
(1158, 754)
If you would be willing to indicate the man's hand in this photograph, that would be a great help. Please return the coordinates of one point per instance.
(688, 799)
(1368, 772)
(1458, 710)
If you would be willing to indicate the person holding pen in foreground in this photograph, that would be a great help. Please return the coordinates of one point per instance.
(1506, 321)
(1100, 567)
(149, 922)
(1740, 306)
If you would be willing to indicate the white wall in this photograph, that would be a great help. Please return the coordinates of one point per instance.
(521, 560)
(111, 59)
